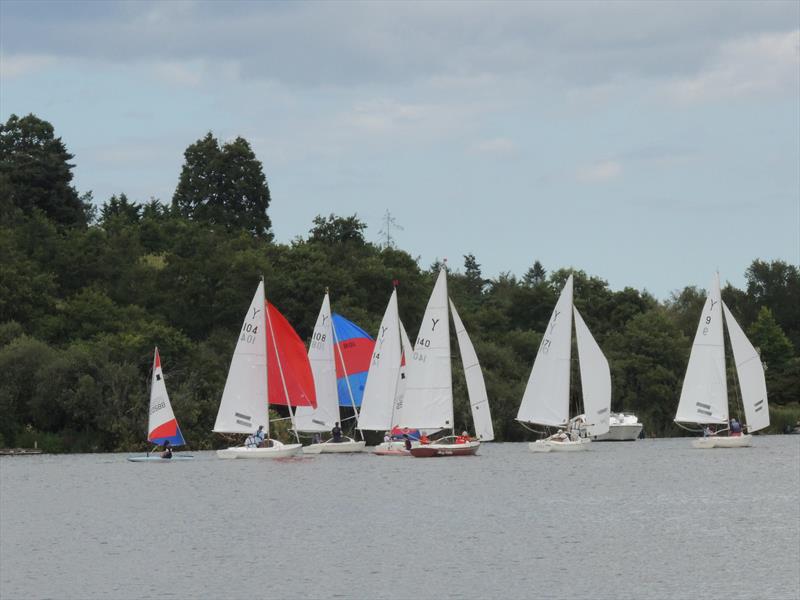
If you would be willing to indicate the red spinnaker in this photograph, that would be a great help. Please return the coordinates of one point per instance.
(291, 352)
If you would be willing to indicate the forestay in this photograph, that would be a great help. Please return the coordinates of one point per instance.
(595, 379)
(751, 375)
(704, 395)
(323, 368)
(428, 401)
(476, 387)
(244, 400)
(162, 426)
(384, 372)
(546, 397)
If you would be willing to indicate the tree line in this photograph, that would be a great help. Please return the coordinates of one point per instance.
(87, 291)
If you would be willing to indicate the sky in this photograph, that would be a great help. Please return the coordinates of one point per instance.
(647, 143)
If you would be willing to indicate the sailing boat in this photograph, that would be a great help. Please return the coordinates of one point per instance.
(325, 416)
(428, 399)
(704, 395)
(162, 426)
(546, 397)
(385, 385)
(266, 338)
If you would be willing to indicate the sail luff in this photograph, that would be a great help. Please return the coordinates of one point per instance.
(595, 378)
(546, 397)
(750, 373)
(704, 394)
(476, 386)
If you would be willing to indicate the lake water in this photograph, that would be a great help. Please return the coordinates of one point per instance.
(645, 519)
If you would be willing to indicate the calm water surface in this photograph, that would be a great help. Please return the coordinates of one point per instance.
(647, 519)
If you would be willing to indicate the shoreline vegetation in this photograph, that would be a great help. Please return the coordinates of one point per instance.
(87, 290)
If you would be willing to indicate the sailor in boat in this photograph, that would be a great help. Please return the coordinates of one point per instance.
(423, 439)
(257, 439)
(736, 427)
(407, 441)
(167, 450)
(463, 438)
(336, 432)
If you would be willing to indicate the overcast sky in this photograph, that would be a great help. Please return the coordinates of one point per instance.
(648, 143)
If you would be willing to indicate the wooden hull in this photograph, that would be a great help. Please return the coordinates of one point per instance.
(436, 450)
(733, 441)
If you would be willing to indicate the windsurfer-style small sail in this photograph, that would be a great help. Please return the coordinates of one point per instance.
(161, 425)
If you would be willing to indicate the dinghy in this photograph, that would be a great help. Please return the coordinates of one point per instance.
(269, 366)
(325, 416)
(704, 394)
(546, 398)
(162, 426)
(428, 400)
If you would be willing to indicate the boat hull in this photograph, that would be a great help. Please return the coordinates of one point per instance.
(733, 441)
(335, 447)
(437, 450)
(549, 445)
(621, 433)
(277, 451)
(159, 459)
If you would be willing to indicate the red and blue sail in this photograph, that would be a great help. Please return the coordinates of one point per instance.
(353, 354)
(162, 425)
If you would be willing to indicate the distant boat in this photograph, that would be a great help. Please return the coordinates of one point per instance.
(622, 427)
(269, 366)
(162, 426)
(428, 400)
(322, 418)
(704, 394)
(385, 384)
(546, 398)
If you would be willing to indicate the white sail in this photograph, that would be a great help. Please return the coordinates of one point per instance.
(323, 367)
(751, 375)
(384, 372)
(244, 401)
(595, 379)
(476, 387)
(160, 408)
(428, 401)
(546, 397)
(704, 396)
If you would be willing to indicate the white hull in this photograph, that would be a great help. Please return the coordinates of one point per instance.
(620, 433)
(277, 451)
(733, 441)
(334, 447)
(394, 448)
(549, 445)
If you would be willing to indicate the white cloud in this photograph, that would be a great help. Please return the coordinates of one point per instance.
(600, 171)
(18, 65)
(749, 66)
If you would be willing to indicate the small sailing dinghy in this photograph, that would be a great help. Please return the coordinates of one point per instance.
(704, 395)
(546, 398)
(266, 338)
(385, 385)
(323, 418)
(428, 400)
(162, 426)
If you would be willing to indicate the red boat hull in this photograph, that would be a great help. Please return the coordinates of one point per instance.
(433, 450)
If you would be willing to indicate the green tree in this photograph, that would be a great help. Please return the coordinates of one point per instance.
(776, 284)
(338, 230)
(35, 172)
(224, 185)
(773, 345)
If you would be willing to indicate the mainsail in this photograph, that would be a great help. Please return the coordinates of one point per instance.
(161, 424)
(323, 368)
(476, 387)
(750, 373)
(546, 397)
(595, 379)
(243, 407)
(704, 395)
(428, 401)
